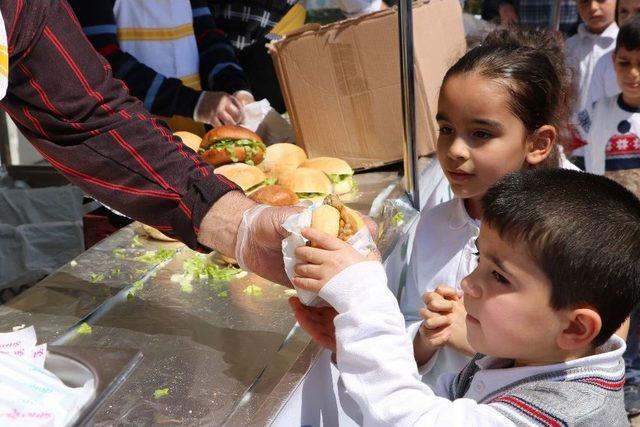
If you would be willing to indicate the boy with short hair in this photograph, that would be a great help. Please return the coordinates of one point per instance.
(603, 79)
(558, 273)
(609, 130)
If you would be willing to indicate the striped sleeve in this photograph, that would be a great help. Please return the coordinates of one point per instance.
(64, 99)
(161, 95)
(219, 66)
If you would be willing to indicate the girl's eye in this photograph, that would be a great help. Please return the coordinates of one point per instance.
(445, 130)
(499, 277)
(480, 134)
(623, 63)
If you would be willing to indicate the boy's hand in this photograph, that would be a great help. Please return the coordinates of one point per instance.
(320, 263)
(317, 322)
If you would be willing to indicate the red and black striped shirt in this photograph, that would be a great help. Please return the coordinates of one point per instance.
(63, 97)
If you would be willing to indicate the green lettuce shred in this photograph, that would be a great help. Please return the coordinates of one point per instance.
(161, 392)
(397, 219)
(156, 257)
(84, 329)
(136, 243)
(309, 195)
(253, 291)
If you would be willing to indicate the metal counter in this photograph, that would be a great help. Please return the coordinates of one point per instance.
(226, 355)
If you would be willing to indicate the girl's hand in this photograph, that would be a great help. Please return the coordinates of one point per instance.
(445, 319)
(328, 257)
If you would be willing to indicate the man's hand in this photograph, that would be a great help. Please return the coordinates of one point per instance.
(238, 227)
(443, 324)
(218, 108)
(508, 14)
(328, 257)
(317, 322)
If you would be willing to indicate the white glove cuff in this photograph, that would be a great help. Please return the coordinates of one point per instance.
(196, 116)
(244, 232)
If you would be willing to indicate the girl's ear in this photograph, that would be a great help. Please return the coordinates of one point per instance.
(540, 143)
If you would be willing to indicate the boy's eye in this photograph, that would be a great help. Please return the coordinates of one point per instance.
(480, 134)
(499, 277)
(445, 130)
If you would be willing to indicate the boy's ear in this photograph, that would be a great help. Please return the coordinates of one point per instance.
(583, 327)
(540, 143)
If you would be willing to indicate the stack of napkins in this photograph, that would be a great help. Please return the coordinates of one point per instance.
(29, 394)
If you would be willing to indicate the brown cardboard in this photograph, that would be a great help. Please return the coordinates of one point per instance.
(341, 82)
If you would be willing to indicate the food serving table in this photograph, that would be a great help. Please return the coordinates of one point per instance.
(214, 351)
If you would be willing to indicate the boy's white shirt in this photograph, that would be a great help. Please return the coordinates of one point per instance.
(375, 359)
(604, 82)
(583, 50)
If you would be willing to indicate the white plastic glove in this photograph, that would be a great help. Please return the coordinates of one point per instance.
(259, 241)
(218, 108)
(245, 97)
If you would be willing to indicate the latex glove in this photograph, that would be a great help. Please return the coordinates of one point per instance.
(245, 97)
(259, 241)
(317, 322)
(218, 108)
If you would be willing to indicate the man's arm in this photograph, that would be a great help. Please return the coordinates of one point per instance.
(161, 95)
(64, 99)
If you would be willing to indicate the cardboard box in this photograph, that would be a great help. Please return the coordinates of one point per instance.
(341, 82)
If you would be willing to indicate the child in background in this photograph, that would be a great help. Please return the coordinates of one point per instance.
(610, 128)
(596, 37)
(559, 271)
(603, 80)
(498, 111)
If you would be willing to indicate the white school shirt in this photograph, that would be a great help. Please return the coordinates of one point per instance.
(604, 82)
(582, 51)
(443, 254)
(611, 131)
(378, 370)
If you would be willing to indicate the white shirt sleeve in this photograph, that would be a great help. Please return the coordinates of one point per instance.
(375, 358)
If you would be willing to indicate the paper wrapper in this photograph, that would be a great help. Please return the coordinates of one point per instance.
(30, 395)
(361, 241)
(261, 118)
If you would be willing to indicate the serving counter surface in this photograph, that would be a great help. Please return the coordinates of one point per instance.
(213, 351)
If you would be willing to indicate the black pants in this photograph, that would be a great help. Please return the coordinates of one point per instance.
(258, 65)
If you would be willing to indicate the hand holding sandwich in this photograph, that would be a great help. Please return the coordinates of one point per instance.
(326, 257)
